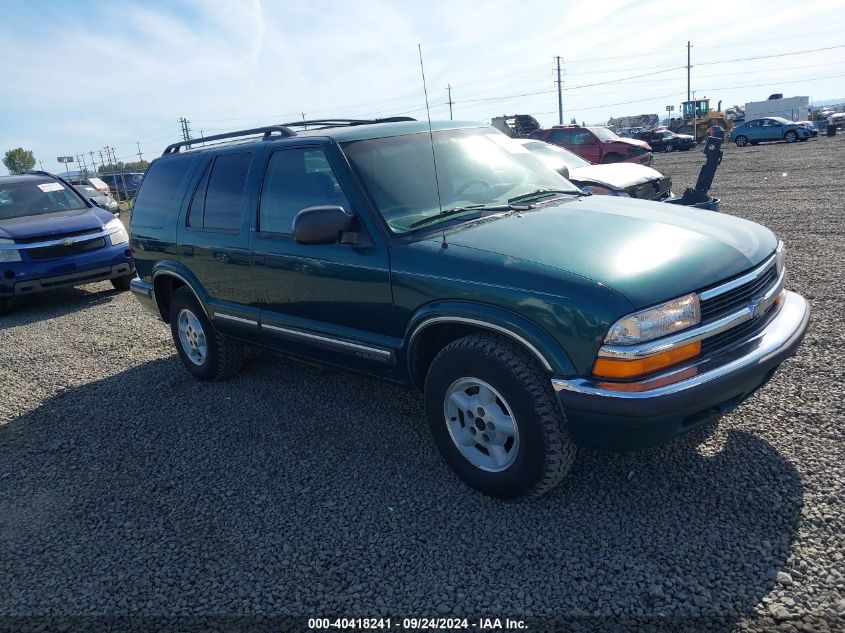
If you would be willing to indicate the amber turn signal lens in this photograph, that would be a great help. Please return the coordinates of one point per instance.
(616, 368)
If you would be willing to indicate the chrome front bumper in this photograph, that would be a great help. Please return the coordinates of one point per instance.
(704, 379)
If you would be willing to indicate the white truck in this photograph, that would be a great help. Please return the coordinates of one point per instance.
(790, 108)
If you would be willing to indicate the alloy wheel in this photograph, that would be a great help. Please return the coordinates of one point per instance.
(481, 424)
(192, 337)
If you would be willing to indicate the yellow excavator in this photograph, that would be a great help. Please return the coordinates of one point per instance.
(697, 115)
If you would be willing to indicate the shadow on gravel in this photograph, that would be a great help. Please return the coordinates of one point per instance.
(56, 303)
(291, 491)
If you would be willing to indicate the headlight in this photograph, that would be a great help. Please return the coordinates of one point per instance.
(604, 191)
(780, 258)
(120, 236)
(9, 254)
(652, 323)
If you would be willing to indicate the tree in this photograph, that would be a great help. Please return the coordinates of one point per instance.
(19, 160)
(138, 165)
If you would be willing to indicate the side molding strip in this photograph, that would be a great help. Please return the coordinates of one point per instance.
(229, 317)
(382, 354)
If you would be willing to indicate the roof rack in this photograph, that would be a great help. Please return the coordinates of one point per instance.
(267, 131)
(283, 129)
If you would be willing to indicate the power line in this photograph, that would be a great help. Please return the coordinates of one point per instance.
(747, 59)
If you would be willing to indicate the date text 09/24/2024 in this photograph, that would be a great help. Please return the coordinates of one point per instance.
(447, 624)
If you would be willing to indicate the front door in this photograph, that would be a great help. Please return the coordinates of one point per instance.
(214, 241)
(332, 301)
(586, 145)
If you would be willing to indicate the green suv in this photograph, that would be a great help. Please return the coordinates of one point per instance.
(534, 318)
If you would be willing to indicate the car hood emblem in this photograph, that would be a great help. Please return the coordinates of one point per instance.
(67, 241)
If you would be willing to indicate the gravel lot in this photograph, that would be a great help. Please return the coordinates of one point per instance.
(128, 489)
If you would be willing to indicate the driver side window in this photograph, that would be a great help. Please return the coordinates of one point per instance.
(296, 179)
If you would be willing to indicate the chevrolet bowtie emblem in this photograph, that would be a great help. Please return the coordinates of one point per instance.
(67, 242)
(756, 307)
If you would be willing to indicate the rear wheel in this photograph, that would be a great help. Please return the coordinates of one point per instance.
(206, 353)
(741, 141)
(495, 419)
(791, 136)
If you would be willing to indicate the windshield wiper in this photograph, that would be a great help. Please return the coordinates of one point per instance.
(544, 193)
(472, 207)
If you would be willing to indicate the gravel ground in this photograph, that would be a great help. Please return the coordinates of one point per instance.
(128, 489)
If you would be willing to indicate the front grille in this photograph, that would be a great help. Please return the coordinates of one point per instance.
(60, 250)
(733, 300)
(47, 238)
(741, 332)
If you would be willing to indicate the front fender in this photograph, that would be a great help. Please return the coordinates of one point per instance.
(523, 331)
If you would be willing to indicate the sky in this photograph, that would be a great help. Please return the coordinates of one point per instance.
(79, 75)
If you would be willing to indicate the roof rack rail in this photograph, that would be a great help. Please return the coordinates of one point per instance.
(267, 131)
(325, 123)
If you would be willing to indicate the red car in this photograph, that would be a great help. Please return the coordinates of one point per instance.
(597, 144)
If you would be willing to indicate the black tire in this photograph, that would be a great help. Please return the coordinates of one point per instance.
(611, 158)
(5, 307)
(224, 356)
(122, 282)
(741, 141)
(791, 136)
(544, 453)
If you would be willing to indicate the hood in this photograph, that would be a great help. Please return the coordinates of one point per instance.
(630, 141)
(617, 175)
(49, 225)
(648, 252)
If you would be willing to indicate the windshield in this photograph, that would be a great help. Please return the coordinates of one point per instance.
(604, 134)
(88, 190)
(35, 198)
(476, 166)
(554, 156)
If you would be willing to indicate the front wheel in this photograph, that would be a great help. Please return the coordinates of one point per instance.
(495, 419)
(741, 141)
(122, 282)
(206, 353)
(790, 137)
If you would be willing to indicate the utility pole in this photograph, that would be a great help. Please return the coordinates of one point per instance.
(140, 155)
(559, 93)
(93, 164)
(689, 47)
(449, 90)
(186, 129)
(122, 179)
(41, 165)
(102, 162)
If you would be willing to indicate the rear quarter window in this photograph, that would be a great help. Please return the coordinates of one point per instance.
(156, 200)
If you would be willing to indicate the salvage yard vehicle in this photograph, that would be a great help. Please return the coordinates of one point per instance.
(619, 179)
(667, 141)
(102, 200)
(51, 236)
(534, 318)
(596, 144)
(769, 129)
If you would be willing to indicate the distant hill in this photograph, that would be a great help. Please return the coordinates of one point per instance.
(827, 102)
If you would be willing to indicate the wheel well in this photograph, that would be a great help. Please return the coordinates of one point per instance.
(433, 338)
(165, 285)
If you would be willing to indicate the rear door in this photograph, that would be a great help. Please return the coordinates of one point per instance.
(214, 239)
(329, 301)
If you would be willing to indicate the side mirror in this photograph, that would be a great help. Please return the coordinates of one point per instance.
(563, 170)
(323, 225)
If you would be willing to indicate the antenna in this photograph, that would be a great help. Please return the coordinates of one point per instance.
(431, 138)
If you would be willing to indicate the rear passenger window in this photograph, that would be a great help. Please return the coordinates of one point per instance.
(156, 198)
(218, 200)
(296, 179)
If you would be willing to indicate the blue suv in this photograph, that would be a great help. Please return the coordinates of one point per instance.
(53, 237)
(769, 129)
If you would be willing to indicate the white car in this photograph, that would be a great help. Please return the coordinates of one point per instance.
(613, 179)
